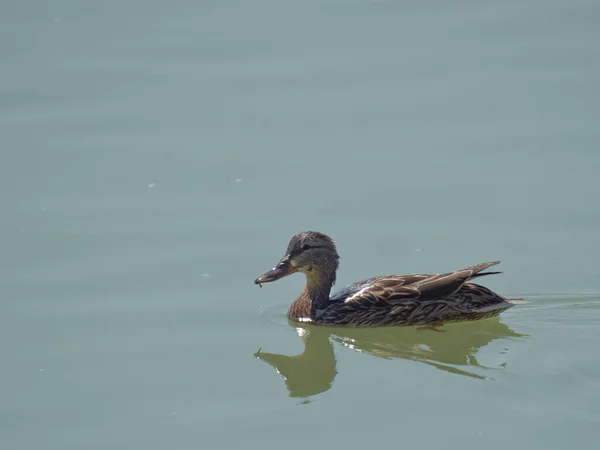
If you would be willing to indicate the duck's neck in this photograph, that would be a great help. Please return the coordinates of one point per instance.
(314, 297)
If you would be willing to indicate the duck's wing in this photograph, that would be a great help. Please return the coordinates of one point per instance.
(399, 288)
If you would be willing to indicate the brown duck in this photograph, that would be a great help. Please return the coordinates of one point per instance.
(414, 299)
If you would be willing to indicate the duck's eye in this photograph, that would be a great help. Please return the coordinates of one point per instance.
(305, 247)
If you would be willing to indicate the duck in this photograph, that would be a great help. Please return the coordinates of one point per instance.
(427, 300)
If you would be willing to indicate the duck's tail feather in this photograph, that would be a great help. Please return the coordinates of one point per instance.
(503, 305)
(484, 274)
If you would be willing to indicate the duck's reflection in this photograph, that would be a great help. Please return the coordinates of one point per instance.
(313, 371)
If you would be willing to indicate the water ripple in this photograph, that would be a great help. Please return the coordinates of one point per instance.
(274, 314)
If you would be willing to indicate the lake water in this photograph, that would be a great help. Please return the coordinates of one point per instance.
(158, 156)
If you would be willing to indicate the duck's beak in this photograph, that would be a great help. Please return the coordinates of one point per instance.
(282, 269)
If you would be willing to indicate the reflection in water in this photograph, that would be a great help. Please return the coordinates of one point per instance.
(313, 371)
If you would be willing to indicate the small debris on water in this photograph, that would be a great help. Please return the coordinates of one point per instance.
(151, 185)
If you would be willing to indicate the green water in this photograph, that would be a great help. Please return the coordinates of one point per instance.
(156, 157)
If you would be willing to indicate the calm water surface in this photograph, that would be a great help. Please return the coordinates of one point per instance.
(158, 156)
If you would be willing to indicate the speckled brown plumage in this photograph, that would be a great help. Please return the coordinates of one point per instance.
(413, 299)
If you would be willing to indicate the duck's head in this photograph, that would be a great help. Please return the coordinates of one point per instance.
(310, 252)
